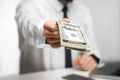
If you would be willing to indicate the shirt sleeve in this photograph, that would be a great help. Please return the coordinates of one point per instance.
(91, 37)
(30, 22)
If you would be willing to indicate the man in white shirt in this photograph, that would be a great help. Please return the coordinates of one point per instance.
(36, 21)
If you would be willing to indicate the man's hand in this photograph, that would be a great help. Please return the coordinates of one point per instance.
(51, 33)
(86, 62)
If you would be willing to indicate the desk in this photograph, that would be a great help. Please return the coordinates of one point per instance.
(58, 74)
(46, 75)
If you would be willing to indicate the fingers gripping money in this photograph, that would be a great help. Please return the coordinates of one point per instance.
(63, 33)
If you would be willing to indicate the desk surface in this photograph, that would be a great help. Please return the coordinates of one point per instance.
(58, 74)
(47, 75)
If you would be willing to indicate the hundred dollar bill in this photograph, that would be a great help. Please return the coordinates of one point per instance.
(73, 36)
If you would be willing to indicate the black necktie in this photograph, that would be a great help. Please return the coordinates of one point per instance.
(68, 61)
(65, 9)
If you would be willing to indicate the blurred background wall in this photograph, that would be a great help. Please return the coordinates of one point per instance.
(106, 18)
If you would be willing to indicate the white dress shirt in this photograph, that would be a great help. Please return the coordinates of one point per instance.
(31, 16)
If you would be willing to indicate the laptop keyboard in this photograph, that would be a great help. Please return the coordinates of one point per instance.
(116, 73)
(106, 77)
(114, 76)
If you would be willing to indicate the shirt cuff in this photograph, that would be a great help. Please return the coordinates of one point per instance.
(96, 58)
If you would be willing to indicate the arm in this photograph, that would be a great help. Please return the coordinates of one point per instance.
(95, 53)
(30, 22)
(89, 61)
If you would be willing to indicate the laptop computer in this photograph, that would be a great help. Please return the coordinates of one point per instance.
(111, 71)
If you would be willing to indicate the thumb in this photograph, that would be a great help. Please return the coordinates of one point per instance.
(65, 20)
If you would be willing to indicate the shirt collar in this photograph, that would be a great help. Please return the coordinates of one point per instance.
(57, 5)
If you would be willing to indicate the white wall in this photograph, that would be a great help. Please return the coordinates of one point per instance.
(9, 51)
(106, 17)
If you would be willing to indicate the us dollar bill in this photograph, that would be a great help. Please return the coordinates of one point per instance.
(73, 37)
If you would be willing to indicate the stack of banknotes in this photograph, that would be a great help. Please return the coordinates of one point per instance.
(73, 37)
